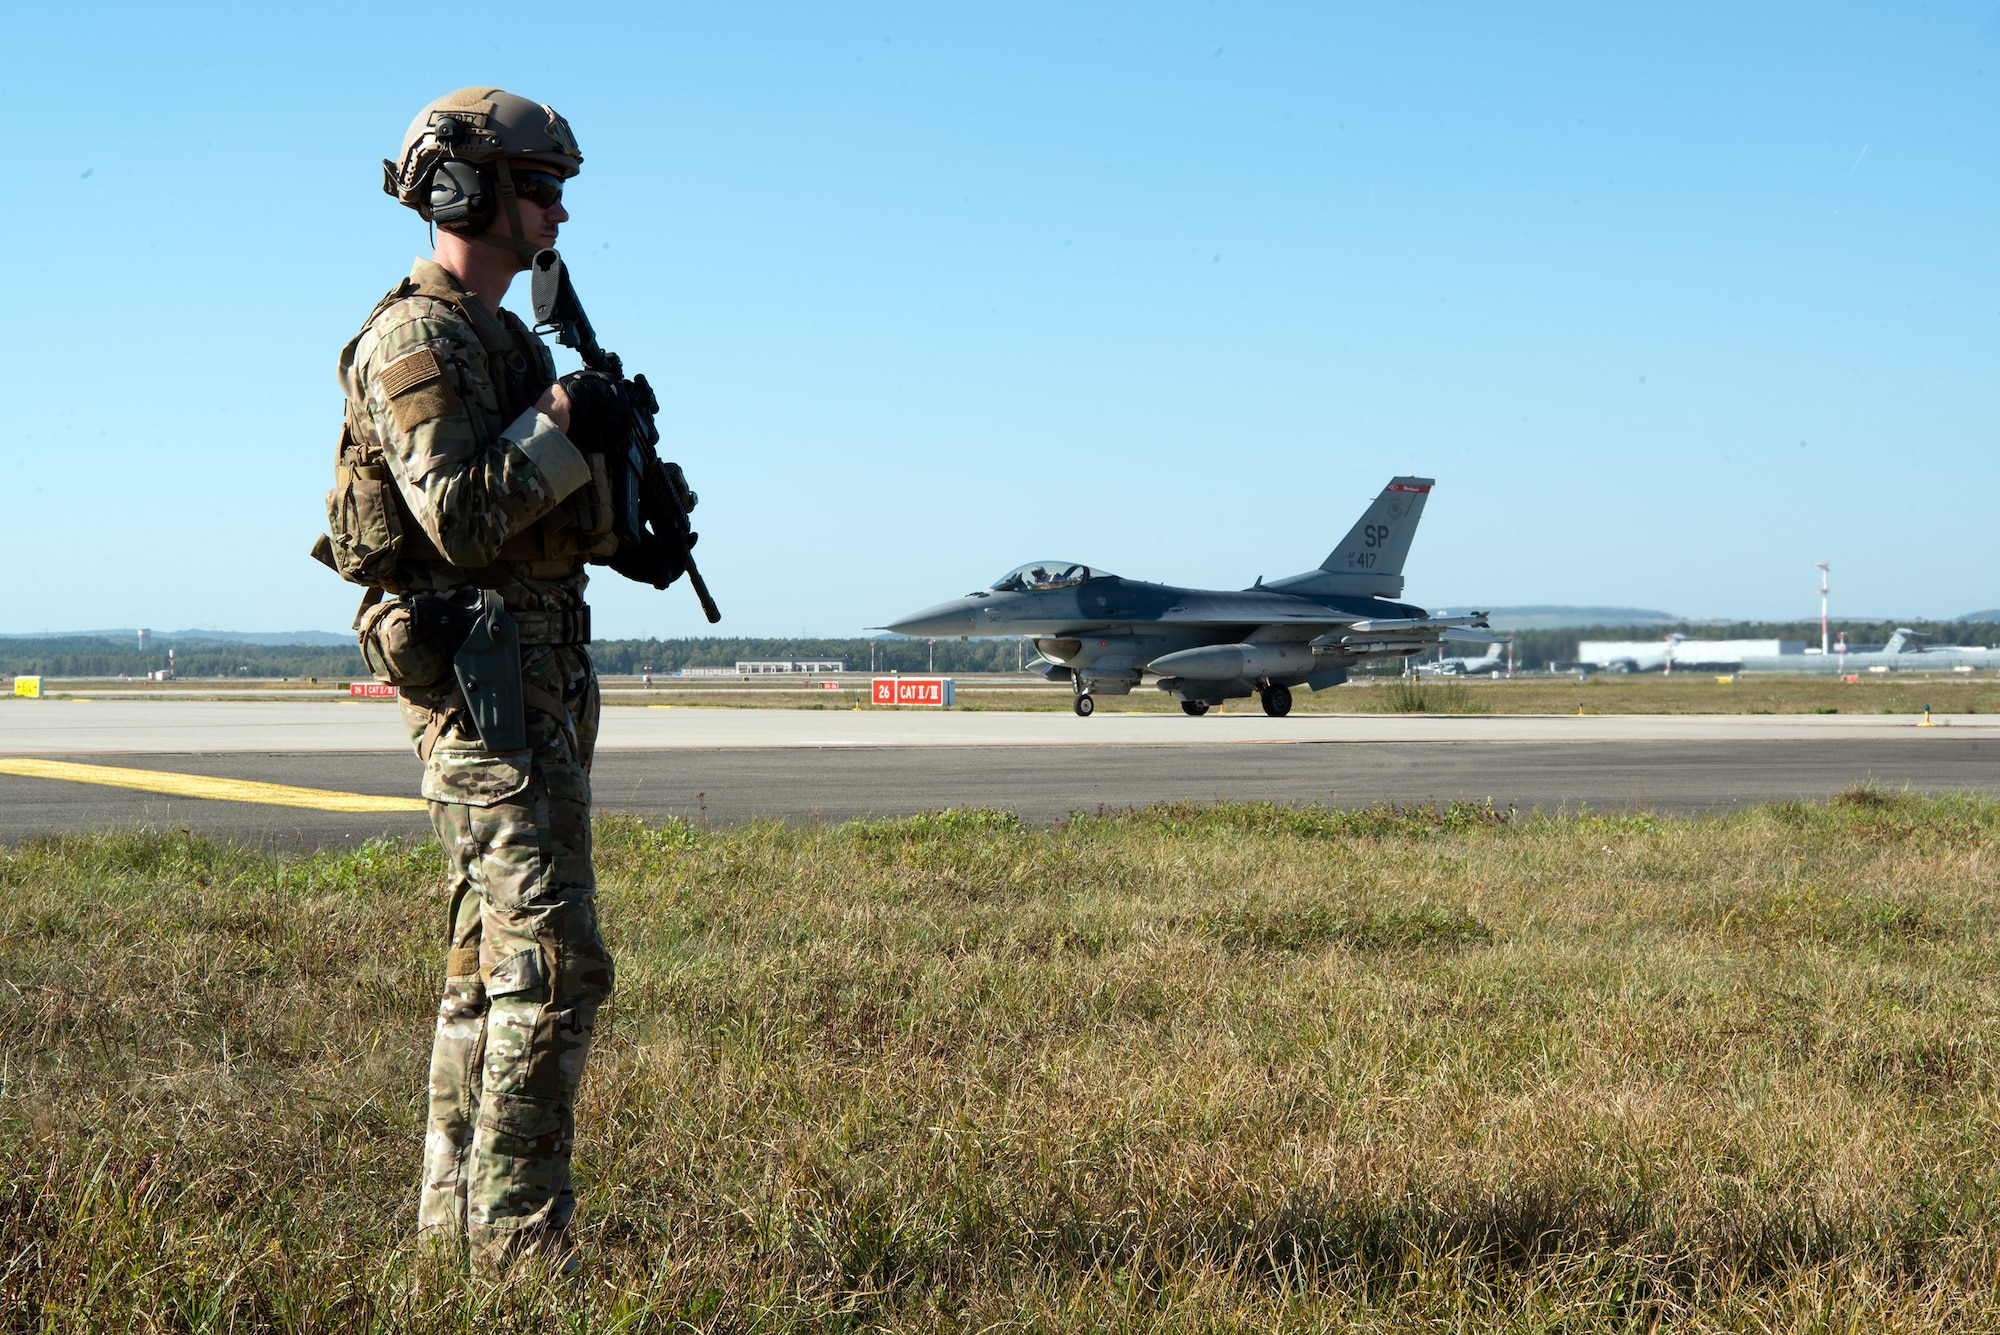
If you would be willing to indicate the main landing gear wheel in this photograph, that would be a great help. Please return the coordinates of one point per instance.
(1194, 708)
(1085, 706)
(1277, 701)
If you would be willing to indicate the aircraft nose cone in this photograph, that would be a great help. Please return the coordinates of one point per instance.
(946, 619)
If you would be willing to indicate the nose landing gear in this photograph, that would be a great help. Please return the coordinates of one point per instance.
(1277, 701)
(1085, 706)
(1194, 708)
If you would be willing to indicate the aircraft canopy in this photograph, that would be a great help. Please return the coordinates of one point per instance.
(1046, 575)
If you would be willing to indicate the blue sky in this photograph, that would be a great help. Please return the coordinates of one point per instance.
(1672, 301)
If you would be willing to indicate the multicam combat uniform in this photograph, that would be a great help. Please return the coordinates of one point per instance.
(448, 477)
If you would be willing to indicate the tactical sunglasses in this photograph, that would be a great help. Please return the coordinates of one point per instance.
(543, 189)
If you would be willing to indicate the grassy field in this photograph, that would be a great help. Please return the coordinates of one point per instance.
(1232, 1068)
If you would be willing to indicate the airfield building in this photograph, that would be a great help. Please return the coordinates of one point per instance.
(769, 667)
(1703, 655)
(1905, 652)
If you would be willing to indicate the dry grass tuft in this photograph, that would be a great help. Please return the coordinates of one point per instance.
(1424, 695)
(1180, 1068)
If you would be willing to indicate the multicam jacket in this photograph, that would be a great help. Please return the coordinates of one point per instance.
(446, 474)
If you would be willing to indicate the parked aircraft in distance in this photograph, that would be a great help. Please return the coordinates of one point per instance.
(1105, 635)
(1494, 660)
(1905, 652)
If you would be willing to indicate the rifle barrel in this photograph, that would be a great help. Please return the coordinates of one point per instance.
(700, 587)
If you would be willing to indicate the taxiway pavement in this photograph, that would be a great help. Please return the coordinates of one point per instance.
(729, 765)
(70, 727)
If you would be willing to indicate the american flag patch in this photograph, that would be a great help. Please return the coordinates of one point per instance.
(406, 373)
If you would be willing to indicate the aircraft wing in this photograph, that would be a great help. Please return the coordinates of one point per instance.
(1331, 633)
(1391, 637)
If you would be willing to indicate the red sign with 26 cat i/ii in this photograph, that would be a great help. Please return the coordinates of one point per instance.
(914, 691)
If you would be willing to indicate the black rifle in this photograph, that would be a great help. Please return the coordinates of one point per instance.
(650, 496)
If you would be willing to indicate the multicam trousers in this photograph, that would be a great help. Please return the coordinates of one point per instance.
(527, 969)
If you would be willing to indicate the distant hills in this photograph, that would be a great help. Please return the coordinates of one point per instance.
(1552, 616)
(1546, 616)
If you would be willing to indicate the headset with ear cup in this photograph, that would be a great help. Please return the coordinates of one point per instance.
(464, 196)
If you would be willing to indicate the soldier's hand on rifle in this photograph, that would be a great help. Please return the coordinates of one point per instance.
(653, 560)
(600, 414)
(554, 405)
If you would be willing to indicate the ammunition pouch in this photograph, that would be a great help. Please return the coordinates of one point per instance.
(362, 519)
(368, 527)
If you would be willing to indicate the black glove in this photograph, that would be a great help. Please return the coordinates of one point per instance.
(600, 412)
(653, 559)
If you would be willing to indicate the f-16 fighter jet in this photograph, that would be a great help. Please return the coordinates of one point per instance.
(1105, 635)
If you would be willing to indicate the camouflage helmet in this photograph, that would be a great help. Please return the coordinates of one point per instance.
(478, 125)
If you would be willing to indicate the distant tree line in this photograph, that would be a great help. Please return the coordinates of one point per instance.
(93, 656)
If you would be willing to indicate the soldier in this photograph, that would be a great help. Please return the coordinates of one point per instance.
(462, 491)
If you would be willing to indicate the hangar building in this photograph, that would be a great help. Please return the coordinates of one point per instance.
(1654, 655)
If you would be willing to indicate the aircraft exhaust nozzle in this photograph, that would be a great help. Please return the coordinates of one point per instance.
(1233, 662)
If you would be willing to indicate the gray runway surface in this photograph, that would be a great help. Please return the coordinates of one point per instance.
(1043, 783)
(80, 726)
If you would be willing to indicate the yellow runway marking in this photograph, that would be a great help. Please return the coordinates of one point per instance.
(202, 785)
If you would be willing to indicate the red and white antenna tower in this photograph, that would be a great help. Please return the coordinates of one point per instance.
(1823, 568)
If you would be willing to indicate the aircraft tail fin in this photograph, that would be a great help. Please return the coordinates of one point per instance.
(1369, 560)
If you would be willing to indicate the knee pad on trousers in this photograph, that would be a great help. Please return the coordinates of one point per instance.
(464, 999)
(583, 979)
